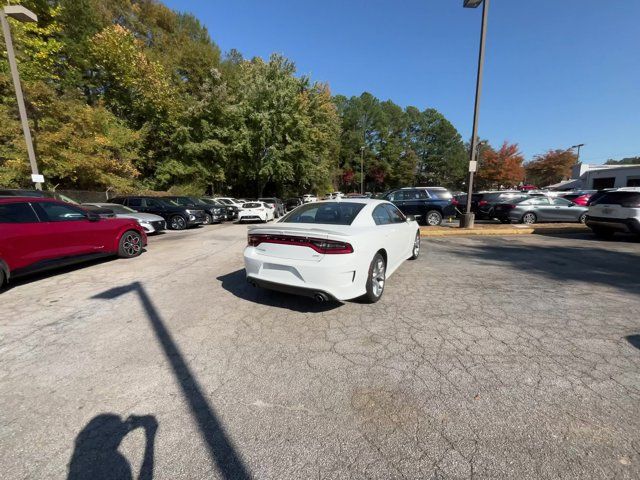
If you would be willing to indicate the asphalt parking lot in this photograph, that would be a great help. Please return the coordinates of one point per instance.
(489, 357)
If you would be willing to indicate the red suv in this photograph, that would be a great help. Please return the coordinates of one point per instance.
(41, 233)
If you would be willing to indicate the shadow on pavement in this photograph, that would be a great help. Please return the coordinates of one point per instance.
(236, 283)
(220, 446)
(589, 264)
(96, 454)
(35, 277)
(634, 340)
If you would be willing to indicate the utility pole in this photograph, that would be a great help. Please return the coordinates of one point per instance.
(467, 219)
(21, 14)
(361, 170)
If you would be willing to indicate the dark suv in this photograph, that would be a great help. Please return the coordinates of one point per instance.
(484, 203)
(177, 216)
(212, 213)
(428, 209)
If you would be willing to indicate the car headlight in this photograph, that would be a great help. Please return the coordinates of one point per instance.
(192, 217)
(189, 211)
(144, 222)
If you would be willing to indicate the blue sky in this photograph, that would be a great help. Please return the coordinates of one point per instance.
(557, 72)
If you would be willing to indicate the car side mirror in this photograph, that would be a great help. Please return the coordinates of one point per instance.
(93, 217)
(411, 218)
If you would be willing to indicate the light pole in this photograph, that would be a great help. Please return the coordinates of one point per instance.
(361, 170)
(578, 147)
(467, 219)
(21, 14)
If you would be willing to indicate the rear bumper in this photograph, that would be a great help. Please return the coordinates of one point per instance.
(341, 277)
(290, 289)
(629, 225)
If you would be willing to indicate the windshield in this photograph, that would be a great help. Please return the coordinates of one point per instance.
(119, 208)
(329, 213)
(166, 201)
(624, 199)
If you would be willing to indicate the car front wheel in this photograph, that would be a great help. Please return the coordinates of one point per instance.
(376, 279)
(583, 218)
(208, 219)
(177, 223)
(130, 244)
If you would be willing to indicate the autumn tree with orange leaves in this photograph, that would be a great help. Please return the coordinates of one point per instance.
(550, 167)
(502, 167)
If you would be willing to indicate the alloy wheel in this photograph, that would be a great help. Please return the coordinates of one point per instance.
(529, 218)
(434, 219)
(378, 277)
(131, 244)
(178, 223)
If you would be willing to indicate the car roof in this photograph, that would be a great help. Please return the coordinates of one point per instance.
(10, 199)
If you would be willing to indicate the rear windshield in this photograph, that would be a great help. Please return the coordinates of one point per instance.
(440, 194)
(251, 205)
(328, 213)
(624, 199)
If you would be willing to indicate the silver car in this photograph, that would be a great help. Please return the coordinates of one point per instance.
(149, 222)
(540, 209)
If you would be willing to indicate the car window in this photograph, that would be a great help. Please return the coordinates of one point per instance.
(538, 201)
(252, 205)
(396, 196)
(134, 202)
(624, 199)
(396, 215)
(415, 195)
(381, 215)
(17, 213)
(561, 202)
(180, 201)
(440, 194)
(57, 212)
(331, 213)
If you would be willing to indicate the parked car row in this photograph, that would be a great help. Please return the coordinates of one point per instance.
(40, 233)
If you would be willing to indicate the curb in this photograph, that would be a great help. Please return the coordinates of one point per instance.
(464, 232)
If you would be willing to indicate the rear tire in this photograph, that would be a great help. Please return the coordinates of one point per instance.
(130, 245)
(415, 252)
(177, 222)
(433, 218)
(376, 279)
(208, 219)
(603, 233)
(2, 278)
(529, 218)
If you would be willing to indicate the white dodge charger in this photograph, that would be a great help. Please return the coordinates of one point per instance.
(332, 250)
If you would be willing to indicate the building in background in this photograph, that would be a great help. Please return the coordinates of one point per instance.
(598, 177)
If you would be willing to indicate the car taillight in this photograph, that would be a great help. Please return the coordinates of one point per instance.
(320, 245)
(454, 202)
(482, 203)
(582, 200)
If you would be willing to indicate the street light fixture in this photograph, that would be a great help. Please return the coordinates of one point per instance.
(467, 219)
(578, 147)
(20, 13)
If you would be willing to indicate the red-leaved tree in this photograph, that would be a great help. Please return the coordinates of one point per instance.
(502, 167)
